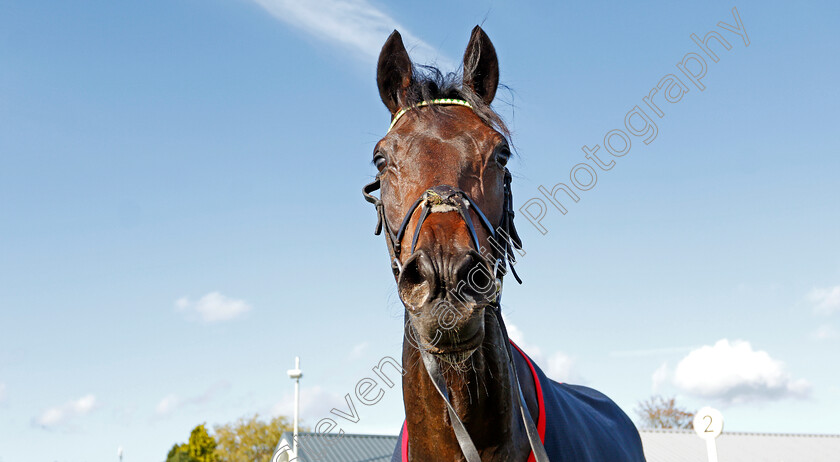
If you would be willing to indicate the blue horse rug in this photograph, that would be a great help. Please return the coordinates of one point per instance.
(576, 424)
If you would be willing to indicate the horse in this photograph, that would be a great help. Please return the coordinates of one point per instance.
(446, 208)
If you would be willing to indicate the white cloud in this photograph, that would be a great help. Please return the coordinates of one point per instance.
(559, 366)
(355, 25)
(168, 404)
(732, 372)
(213, 307)
(357, 350)
(62, 414)
(2, 392)
(660, 377)
(826, 301)
(315, 404)
(824, 332)
(518, 337)
(172, 402)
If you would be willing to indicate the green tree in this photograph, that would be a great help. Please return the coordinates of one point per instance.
(202, 446)
(249, 439)
(179, 453)
(659, 412)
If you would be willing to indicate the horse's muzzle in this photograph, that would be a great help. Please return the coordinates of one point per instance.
(446, 296)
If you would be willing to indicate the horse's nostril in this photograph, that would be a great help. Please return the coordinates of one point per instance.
(417, 280)
(475, 280)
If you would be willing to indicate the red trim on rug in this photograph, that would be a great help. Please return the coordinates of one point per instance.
(540, 419)
(404, 442)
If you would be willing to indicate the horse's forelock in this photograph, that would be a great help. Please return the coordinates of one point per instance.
(430, 83)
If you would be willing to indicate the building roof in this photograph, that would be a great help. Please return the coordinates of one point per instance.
(686, 446)
(660, 446)
(346, 448)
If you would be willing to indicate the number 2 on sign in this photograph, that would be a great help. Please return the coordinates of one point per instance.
(708, 427)
(708, 423)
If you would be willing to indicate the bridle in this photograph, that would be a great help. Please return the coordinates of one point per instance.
(448, 196)
(454, 199)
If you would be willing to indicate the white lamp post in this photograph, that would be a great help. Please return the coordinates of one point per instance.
(296, 374)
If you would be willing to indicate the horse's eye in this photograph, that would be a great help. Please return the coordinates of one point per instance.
(502, 156)
(380, 161)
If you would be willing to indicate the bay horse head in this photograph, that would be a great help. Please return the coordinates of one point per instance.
(446, 209)
(445, 200)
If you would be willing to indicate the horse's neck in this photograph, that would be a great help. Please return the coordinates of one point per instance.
(483, 396)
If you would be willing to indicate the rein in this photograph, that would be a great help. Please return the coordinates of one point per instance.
(457, 200)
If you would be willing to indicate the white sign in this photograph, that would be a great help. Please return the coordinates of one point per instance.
(708, 424)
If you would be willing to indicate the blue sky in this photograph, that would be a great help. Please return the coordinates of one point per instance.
(181, 211)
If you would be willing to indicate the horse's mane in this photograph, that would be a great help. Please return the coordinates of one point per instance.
(428, 83)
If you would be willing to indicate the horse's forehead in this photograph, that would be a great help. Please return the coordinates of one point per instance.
(446, 144)
(454, 127)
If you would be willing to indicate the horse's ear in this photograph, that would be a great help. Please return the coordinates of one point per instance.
(393, 72)
(481, 66)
